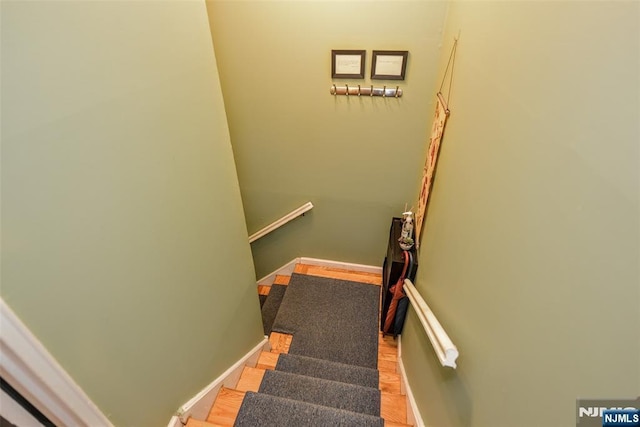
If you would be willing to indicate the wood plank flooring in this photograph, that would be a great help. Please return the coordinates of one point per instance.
(338, 273)
(393, 403)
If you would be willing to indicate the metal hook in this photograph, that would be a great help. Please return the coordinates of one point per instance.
(347, 91)
(397, 89)
(358, 90)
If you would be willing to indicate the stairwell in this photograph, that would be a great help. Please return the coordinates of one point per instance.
(284, 389)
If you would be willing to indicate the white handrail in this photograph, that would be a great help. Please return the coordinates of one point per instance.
(280, 222)
(33, 372)
(442, 344)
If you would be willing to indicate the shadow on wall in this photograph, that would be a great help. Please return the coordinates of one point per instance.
(454, 399)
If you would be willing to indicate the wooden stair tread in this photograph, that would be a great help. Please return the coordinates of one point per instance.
(339, 273)
(392, 424)
(387, 353)
(389, 382)
(280, 343)
(263, 290)
(198, 423)
(225, 409)
(387, 366)
(393, 408)
(267, 360)
(281, 280)
(387, 341)
(250, 379)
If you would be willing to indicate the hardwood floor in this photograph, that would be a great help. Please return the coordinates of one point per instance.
(338, 273)
(393, 403)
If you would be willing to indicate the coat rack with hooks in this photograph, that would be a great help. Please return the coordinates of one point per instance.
(360, 90)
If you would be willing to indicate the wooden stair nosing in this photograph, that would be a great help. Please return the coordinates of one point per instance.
(267, 360)
(393, 407)
(226, 406)
(250, 379)
(191, 422)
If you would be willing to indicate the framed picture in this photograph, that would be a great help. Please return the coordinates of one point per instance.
(347, 64)
(389, 64)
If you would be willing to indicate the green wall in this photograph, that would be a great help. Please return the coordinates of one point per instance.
(357, 159)
(531, 249)
(124, 246)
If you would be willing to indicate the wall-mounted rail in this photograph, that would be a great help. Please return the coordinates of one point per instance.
(444, 348)
(359, 90)
(280, 222)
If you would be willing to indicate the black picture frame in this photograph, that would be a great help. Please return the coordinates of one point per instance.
(389, 64)
(347, 64)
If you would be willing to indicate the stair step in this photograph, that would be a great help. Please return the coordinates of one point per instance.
(280, 343)
(387, 352)
(250, 379)
(271, 306)
(339, 273)
(390, 383)
(226, 407)
(263, 409)
(323, 392)
(393, 408)
(267, 360)
(328, 370)
(281, 280)
(197, 423)
(387, 366)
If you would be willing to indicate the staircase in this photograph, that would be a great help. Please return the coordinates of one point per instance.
(287, 389)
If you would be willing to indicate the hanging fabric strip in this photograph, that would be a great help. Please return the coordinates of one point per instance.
(437, 130)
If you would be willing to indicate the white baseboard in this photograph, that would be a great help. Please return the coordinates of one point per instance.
(288, 268)
(175, 422)
(285, 270)
(413, 414)
(199, 406)
(27, 365)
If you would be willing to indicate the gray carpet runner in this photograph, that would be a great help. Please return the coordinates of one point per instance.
(329, 377)
(331, 319)
(327, 370)
(354, 398)
(260, 409)
(271, 306)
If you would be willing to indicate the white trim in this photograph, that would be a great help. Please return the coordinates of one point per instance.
(285, 270)
(343, 265)
(445, 350)
(175, 422)
(199, 406)
(413, 414)
(280, 222)
(13, 412)
(27, 365)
